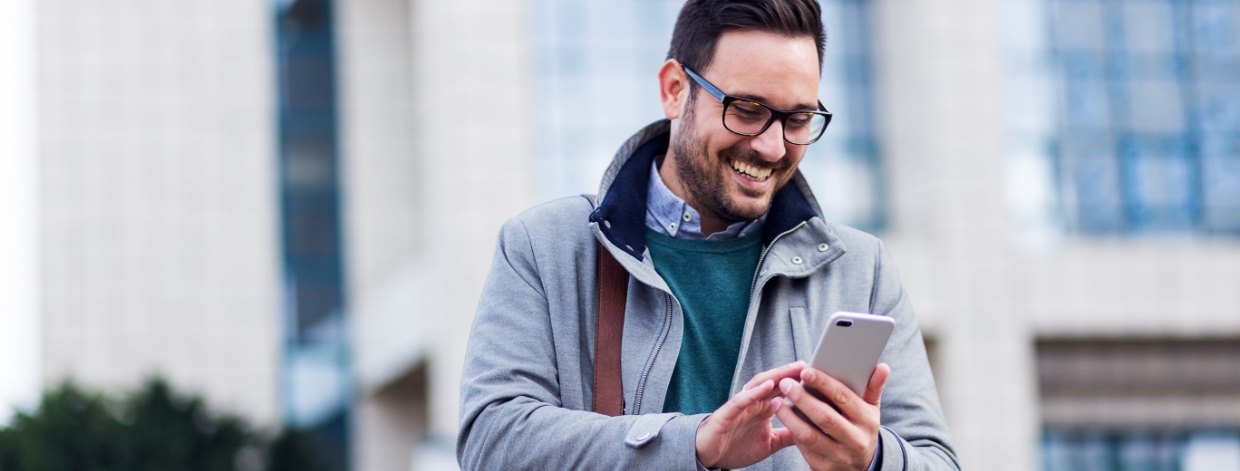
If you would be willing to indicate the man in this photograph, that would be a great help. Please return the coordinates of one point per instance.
(733, 272)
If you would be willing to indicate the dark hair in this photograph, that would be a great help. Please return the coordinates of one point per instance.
(701, 22)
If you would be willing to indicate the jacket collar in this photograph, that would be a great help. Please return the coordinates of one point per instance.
(621, 212)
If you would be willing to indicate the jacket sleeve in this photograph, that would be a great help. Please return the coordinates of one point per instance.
(914, 435)
(511, 412)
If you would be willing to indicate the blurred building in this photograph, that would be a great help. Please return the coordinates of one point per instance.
(290, 206)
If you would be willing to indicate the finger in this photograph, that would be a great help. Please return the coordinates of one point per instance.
(790, 370)
(833, 392)
(781, 437)
(878, 381)
(745, 400)
(756, 393)
(839, 437)
(822, 415)
(805, 435)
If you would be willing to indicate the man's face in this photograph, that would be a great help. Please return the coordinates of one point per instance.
(726, 176)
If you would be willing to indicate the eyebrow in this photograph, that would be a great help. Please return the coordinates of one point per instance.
(799, 106)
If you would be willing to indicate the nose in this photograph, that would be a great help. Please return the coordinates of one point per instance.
(770, 144)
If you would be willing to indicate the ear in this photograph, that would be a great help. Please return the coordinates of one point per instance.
(673, 89)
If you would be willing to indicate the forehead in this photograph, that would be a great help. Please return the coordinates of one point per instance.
(779, 70)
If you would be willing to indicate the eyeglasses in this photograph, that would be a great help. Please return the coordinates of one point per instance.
(750, 118)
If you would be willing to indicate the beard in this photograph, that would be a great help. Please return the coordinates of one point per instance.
(707, 178)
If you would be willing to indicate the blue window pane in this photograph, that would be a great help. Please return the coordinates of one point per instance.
(1079, 26)
(1211, 450)
(1092, 180)
(1138, 451)
(1218, 106)
(1149, 26)
(1214, 26)
(1160, 184)
(1156, 107)
(1087, 104)
(1096, 181)
(1222, 192)
(1082, 65)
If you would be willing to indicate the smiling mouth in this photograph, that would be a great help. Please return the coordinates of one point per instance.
(753, 173)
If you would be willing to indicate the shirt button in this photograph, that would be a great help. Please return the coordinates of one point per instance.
(671, 227)
(687, 217)
(822, 247)
(607, 223)
(796, 260)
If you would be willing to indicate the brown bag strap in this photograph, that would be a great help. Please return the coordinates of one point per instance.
(613, 286)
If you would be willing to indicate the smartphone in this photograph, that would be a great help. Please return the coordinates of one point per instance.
(850, 347)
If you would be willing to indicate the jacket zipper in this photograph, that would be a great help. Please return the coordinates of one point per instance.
(667, 326)
(754, 285)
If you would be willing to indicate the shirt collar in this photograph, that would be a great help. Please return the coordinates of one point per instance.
(670, 215)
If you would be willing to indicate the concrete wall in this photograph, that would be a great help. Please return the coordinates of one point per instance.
(437, 143)
(19, 178)
(383, 223)
(157, 196)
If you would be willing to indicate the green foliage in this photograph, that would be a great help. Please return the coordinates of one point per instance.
(152, 429)
(292, 451)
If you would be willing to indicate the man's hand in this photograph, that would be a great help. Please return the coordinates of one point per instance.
(739, 433)
(844, 429)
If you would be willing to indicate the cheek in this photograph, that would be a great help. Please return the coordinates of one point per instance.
(794, 156)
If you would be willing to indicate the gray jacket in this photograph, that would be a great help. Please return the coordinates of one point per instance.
(526, 389)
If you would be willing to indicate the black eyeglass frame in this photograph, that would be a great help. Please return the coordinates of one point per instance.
(779, 114)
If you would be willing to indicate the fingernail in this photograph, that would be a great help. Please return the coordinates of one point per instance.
(809, 375)
(777, 403)
(785, 385)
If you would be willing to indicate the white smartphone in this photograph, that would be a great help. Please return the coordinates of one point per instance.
(850, 347)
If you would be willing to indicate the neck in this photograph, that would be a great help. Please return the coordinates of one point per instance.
(711, 224)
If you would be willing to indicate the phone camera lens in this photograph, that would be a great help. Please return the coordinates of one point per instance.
(843, 323)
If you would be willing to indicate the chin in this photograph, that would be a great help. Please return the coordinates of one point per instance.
(748, 208)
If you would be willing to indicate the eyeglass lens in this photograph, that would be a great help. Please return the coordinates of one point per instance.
(747, 117)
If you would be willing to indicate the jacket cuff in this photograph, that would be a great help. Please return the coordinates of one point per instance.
(878, 454)
(647, 428)
(891, 450)
(673, 433)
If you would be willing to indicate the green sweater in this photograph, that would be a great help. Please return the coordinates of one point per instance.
(711, 279)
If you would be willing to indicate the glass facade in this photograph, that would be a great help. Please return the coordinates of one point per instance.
(1140, 450)
(316, 384)
(1148, 135)
(595, 75)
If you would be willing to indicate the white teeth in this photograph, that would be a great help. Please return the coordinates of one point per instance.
(756, 173)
